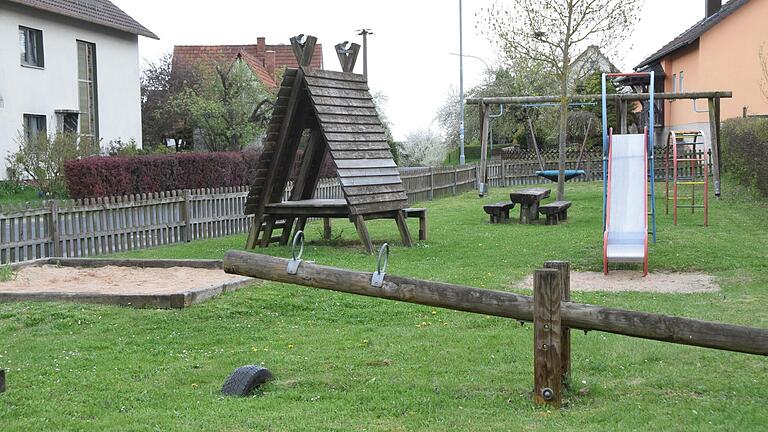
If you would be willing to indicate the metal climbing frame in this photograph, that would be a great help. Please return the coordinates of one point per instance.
(686, 153)
(650, 141)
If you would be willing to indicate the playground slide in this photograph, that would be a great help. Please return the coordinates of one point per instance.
(626, 233)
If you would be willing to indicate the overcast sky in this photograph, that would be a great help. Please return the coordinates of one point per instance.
(409, 54)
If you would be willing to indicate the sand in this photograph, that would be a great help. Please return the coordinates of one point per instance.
(115, 280)
(628, 280)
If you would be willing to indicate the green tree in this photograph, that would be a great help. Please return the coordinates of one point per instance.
(158, 118)
(225, 105)
(550, 31)
(515, 77)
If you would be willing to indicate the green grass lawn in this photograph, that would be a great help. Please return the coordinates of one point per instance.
(354, 363)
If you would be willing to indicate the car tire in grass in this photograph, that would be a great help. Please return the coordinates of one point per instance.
(245, 380)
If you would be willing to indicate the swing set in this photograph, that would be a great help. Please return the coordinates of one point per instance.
(552, 175)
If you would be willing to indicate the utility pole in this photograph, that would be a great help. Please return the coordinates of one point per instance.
(462, 159)
(364, 33)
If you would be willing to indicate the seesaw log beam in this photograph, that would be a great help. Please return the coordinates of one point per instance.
(644, 325)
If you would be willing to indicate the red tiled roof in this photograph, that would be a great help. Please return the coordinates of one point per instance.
(188, 57)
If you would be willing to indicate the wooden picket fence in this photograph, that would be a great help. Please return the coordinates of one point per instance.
(101, 226)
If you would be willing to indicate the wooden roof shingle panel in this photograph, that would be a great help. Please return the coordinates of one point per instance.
(343, 102)
(356, 146)
(367, 190)
(349, 119)
(370, 181)
(334, 75)
(361, 154)
(378, 197)
(367, 172)
(354, 128)
(336, 84)
(346, 111)
(367, 163)
(343, 109)
(351, 137)
(340, 93)
(377, 207)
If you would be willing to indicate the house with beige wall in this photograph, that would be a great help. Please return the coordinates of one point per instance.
(720, 52)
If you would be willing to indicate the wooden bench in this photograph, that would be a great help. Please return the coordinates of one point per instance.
(420, 213)
(555, 211)
(499, 212)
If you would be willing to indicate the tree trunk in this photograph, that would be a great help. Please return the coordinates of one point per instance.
(563, 131)
(564, 102)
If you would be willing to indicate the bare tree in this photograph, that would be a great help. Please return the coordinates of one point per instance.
(550, 31)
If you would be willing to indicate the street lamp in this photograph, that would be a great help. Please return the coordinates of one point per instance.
(364, 33)
(487, 68)
(462, 159)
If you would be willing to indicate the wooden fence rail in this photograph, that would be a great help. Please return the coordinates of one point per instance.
(102, 226)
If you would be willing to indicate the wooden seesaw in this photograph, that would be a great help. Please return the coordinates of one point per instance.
(550, 310)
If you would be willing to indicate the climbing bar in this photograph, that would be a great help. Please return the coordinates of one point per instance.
(519, 100)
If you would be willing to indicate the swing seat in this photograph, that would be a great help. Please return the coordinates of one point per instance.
(551, 175)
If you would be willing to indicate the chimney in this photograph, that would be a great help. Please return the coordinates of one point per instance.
(261, 46)
(269, 63)
(713, 6)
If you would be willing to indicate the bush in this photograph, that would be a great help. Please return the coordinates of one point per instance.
(126, 175)
(41, 160)
(745, 146)
(119, 147)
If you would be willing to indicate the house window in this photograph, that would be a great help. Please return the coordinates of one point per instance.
(67, 121)
(34, 127)
(681, 82)
(31, 45)
(88, 91)
(674, 83)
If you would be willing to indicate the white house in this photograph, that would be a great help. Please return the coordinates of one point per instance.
(68, 65)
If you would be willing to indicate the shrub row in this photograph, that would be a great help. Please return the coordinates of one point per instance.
(124, 175)
(745, 151)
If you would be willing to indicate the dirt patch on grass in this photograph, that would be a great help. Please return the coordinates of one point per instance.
(115, 280)
(628, 280)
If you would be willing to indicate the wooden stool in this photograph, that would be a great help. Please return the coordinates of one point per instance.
(555, 211)
(499, 212)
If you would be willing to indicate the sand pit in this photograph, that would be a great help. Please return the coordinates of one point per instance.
(125, 285)
(628, 280)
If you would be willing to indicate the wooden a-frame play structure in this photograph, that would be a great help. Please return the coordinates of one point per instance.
(336, 111)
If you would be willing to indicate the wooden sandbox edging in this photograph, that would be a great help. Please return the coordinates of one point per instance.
(176, 300)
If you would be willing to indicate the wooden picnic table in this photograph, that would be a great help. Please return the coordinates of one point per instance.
(529, 200)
